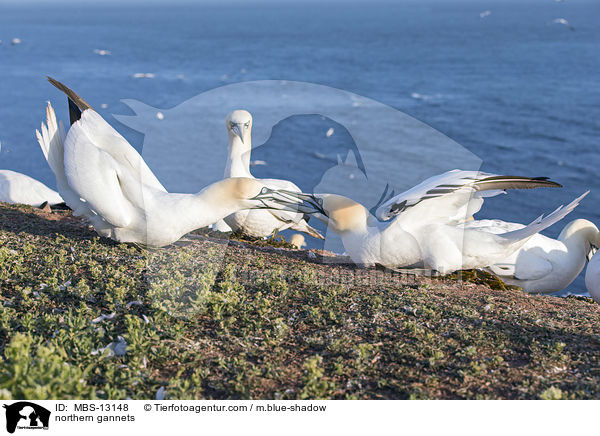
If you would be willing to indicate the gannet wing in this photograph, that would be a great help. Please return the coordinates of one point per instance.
(93, 174)
(524, 265)
(531, 266)
(493, 226)
(453, 196)
(105, 137)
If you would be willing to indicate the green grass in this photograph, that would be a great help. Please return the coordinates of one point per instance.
(207, 319)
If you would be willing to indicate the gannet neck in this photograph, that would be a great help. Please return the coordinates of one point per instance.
(193, 211)
(238, 161)
(187, 212)
(579, 233)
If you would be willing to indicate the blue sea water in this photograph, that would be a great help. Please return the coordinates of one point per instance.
(519, 92)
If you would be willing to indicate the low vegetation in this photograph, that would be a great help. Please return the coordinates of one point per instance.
(84, 317)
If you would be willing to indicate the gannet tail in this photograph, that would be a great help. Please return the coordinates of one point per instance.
(541, 223)
(51, 138)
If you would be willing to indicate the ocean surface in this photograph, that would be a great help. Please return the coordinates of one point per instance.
(508, 90)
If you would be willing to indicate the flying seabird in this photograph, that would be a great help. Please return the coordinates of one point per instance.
(563, 22)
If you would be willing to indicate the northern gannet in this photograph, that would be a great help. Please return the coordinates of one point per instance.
(256, 223)
(20, 188)
(428, 228)
(104, 179)
(563, 22)
(592, 277)
(543, 264)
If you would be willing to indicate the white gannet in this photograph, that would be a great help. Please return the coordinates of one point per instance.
(143, 75)
(592, 277)
(102, 52)
(20, 188)
(563, 22)
(543, 264)
(256, 223)
(104, 179)
(428, 225)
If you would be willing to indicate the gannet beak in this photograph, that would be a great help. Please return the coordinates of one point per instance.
(237, 130)
(305, 203)
(274, 199)
(593, 250)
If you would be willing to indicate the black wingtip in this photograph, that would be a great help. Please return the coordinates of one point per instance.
(74, 112)
(76, 104)
(516, 182)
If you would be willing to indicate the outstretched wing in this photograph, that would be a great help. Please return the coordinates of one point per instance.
(453, 196)
(103, 136)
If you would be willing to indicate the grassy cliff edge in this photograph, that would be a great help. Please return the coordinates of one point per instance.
(84, 317)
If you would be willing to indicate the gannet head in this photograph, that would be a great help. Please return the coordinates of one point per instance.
(340, 213)
(239, 124)
(345, 215)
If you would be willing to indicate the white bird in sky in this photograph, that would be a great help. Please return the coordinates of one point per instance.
(563, 22)
(101, 52)
(427, 229)
(104, 179)
(485, 14)
(592, 277)
(543, 264)
(20, 188)
(256, 223)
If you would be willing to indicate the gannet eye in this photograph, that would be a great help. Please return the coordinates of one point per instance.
(247, 124)
(264, 190)
(231, 125)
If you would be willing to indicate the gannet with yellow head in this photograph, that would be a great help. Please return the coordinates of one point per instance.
(104, 179)
(425, 227)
